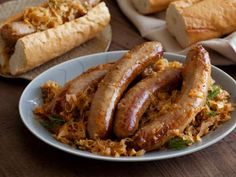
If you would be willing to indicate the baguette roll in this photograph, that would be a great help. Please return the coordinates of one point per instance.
(37, 48)
(3, 56)
(190, 21)
(151, 6)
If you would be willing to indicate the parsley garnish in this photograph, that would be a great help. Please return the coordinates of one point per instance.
(212, 113)
(178, 143)
(214, 92)
(52, 122)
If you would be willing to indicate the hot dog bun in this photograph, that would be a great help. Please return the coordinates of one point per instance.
(191, 21)
(151, 6)
(40, 47)
(3, 57)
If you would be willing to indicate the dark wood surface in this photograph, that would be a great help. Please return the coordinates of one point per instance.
(23, 155)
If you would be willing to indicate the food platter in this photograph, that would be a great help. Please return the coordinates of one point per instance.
(61, 73)
(98, 44)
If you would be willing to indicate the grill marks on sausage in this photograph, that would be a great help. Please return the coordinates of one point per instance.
(135, 102)
(196, 76)
(115, 83)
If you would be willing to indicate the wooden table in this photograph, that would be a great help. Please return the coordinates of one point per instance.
(23, 155)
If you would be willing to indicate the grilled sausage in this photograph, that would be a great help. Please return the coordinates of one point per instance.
(196, 81)
(77, 87)
(131, 108)
(115, 83)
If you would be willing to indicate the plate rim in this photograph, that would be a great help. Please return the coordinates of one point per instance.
(85, 154)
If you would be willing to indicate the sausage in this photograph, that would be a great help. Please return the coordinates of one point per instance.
(115, 83)
(77, 86)
(196, 81)
(135, 102)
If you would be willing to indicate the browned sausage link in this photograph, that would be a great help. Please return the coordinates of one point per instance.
(196, 80)
(115, 83)
(77, 86)
(131, 108)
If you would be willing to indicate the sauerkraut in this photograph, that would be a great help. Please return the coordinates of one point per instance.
(73, 131)
(54, 13)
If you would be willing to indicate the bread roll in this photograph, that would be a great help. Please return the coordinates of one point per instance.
(190, 21)
(151, 6)
(40, 47)
(3, 56)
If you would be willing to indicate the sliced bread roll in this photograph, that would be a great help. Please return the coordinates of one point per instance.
(190, 21)
(38, 48)
(151, 6)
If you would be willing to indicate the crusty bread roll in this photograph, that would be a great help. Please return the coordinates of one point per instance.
(151, 6)
(3, 57)
(40, 47)
(190, 21)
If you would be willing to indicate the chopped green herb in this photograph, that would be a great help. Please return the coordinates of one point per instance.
(214, 92)
(212, 113)
(178, 143)
(52, 122)
(46, 124)
(57, 120)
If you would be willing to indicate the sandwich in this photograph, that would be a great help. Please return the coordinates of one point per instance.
(39, 34)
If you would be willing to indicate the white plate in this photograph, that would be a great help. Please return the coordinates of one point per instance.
(61, 73)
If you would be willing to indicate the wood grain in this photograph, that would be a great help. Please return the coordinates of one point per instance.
(23, 155)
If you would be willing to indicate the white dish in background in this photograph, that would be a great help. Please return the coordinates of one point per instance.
(61, 73)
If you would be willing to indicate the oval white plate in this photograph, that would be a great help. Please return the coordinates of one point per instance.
(61, 73)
